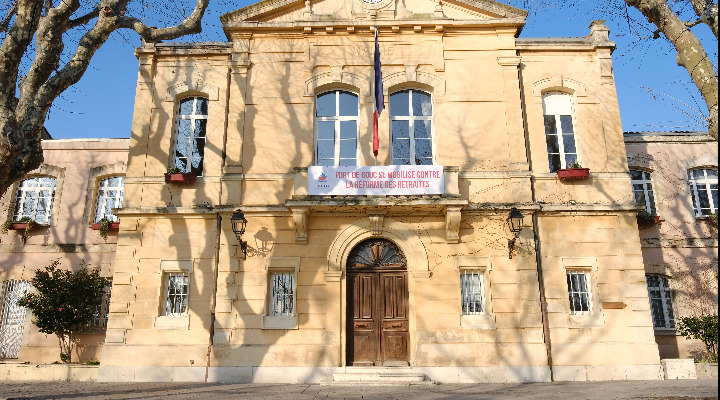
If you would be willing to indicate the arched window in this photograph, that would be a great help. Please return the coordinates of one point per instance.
(191, 133)
(110, 195)
(34, 199)
(336, 128)
(411, 128)
(643, 190)
(704, 191)
(660, 302)
(559, 130)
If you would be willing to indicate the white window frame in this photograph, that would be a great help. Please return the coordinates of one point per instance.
(171, 296)
(192, 118)
(648, 192)
(557, 104)
(102, 198)
(337, 119)
(588, 291)
(172, 320)
(280, 266)
(471, 293)
(19, 211)
(412, 118)
(706, 182)
(481, 266)
(665, 300)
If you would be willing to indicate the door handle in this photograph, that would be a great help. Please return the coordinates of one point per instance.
(396, 325)
(361, 325)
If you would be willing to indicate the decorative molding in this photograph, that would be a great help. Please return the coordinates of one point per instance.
(559, 82)
(377, 223)
(452, 224)
(180, 89)
(300, 217)
(337, 76)
(432, 82)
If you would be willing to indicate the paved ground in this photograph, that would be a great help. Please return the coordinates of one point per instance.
(704, 389)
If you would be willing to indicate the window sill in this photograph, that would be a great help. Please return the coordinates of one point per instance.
(180, 322)
(666, 332)
(280, 322)
(586, 321)
(483, 321)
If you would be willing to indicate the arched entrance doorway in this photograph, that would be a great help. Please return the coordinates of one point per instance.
(377, 304)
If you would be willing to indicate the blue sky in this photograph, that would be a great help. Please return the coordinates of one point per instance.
(654, 93)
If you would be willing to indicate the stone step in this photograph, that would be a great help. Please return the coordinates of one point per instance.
(380, 375)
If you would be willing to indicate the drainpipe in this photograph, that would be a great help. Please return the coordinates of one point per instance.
(543, 299)
(213, 299)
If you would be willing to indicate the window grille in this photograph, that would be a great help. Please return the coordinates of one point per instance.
(336, 115)
(191, 134)
(12, 317)
(100, 317)
(411, 128)
(282, 293)
(578, 283)
(176, 293)
(472, 292)
(643, 190)
(660, 302)
(704, 191)
(34, 199)
(110, 195)
(559, 130)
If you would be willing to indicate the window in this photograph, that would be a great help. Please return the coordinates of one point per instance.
(704, 191)
(559, 131)
(34, 199)
(472, 292)
(100, 317)
(660, 302)
(643, 190)
(12, 317)
(176, 293)
(110, 195)
(191, 130)
(578, 284)
(411, 128)
(336, 128)
(282, 293)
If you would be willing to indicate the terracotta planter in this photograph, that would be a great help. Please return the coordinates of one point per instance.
(179, 177)
(571, 174)
(648, 221)
(111, 226)
(20, 226)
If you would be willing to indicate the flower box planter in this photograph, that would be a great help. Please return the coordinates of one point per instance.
(20, 226)
(571, 174)
(111, 226)
(179, 177)
(649, 220)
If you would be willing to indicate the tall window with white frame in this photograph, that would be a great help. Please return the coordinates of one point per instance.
(472, 292)
(336, 128)
(559, 130)
(578, 284)
(282, 293)
(176, 293)
(660, 302)
(191, 134)
(643, 190)
(110, 195)
(34, 199)
(411, 115)
(704, 191)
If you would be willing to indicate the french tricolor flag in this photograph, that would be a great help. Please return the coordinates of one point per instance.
(379, 97)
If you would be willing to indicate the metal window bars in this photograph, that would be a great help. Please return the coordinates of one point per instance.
(176, 293)
(472, 292)
(282, 293)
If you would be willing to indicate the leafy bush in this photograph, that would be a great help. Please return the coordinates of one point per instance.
(64, 302)
(704, 328)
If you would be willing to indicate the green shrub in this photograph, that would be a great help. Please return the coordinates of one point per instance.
(65, 301)
(703, 328)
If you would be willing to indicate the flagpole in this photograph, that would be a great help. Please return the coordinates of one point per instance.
(373, 92)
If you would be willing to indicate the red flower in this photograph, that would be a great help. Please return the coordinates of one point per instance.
(60, 308)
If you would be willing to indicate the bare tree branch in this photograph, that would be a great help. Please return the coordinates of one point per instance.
(6, 22)
(84, 19)
(707, 11)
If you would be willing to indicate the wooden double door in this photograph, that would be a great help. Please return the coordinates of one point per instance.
(377, 317)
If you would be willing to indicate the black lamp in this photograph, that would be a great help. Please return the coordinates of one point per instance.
(515, 221)
(238, 226)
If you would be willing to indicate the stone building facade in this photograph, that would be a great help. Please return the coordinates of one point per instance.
(675, 178)
(79, 183)
(425, 281)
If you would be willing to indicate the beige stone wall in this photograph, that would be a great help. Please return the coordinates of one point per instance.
(681, 248)
(77, 165)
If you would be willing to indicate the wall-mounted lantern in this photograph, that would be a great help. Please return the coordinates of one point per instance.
(515, 222)
(238, 226)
